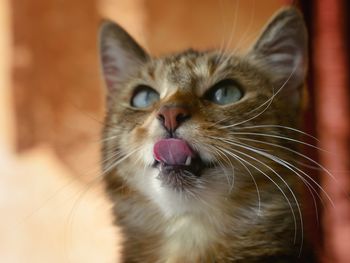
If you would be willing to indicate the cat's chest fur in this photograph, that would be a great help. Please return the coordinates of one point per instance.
(189, 239)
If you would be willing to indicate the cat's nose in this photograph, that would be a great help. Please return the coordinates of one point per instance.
(172, 116)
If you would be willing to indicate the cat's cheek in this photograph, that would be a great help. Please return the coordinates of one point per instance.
(205, 154)
(144, 138)
(146, 153)
(145, 181)
(156, 130)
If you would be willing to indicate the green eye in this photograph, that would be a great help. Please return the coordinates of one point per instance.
(224, 92)
(144, 97)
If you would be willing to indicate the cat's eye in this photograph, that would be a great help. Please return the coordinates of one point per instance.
(144, 96)
(224, 92)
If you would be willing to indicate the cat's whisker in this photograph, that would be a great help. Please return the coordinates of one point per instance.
(124, 183)
(93, 170)
(268, 103)
(220, 153)
(309, 166)
(278, 126)
(113, 155)
(117, 162)
(188, 189)
(88, 185)
(222, 42)
(114, 163)
(223, 150)
(309, 186)
(319, 166)
(279, 137)
(112, 158)
(276, 184)
(289, 189)
(70, 218)
(233, 31)
(244, 36)
(249, 147)
(298, 172)
(228, 161)
(282, 162)
(108, 139)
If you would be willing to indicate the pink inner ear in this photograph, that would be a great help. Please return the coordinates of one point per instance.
(172, 151)
(107, 59)
(110, 70)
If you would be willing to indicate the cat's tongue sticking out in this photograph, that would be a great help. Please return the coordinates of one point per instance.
(177, 162)
(174, 152)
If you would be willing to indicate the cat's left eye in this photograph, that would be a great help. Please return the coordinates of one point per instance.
(144, 96)
(224, 92)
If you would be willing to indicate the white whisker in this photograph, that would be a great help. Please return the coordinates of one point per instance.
(268, 102)
(277, 126)
(277, 185)
(278, 137)
(286, 164)
(324, 169)
(251, 175)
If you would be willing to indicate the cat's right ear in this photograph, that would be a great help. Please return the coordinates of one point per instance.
(120, 55)
(281, 50)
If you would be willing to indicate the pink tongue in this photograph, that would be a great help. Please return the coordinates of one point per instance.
(172, 151)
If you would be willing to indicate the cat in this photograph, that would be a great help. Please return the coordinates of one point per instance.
(200, 148)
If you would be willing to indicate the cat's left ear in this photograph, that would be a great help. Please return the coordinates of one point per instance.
(120, 55)
(281, 50)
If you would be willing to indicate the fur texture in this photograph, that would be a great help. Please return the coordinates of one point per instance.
(244, 204)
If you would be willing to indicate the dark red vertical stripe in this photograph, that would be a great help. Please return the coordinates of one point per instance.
(311, 213)
(332, 107)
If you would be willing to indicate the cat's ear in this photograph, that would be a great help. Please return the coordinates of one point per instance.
(120, 54)
(282, 51)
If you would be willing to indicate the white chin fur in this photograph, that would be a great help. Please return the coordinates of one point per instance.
(170, 202)
(174, 203)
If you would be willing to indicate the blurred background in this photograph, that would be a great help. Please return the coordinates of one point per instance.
(52, 204)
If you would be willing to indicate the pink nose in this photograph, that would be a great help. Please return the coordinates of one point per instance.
(171, 116)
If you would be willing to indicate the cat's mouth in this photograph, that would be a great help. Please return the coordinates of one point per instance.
(179, 165)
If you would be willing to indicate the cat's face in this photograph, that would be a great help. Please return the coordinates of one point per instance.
(178, 127)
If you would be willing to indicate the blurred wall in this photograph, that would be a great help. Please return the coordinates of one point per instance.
(6, 100)
(56, 85)
(332, 94)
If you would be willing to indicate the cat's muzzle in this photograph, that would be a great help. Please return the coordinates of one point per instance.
(180, 177)
(180, 167)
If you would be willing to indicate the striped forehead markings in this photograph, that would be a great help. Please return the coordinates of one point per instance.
(183, 71)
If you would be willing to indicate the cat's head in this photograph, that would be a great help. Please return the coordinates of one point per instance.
(180, 127)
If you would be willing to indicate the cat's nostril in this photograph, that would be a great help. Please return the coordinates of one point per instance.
(161, 118)
(181, 117)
